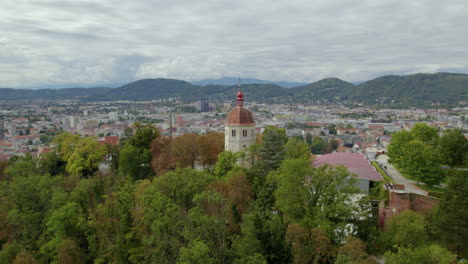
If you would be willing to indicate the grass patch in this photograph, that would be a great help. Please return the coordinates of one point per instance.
(432, 188)
(386, 177)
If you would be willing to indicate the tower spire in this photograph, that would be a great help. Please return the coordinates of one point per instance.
(240, 95)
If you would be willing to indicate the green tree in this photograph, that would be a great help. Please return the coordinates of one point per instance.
(25, 202)
(332, 129)
(157, 225)
(87, 155)
(51, 163)
(110, 223)
(182, 184)
(253, 153)
(450, 217)
(45, 139)
(64, 222)
(135, 156)
(197, 252)
(397, 147)
(309, 138)
(65, 144)
(272, 151)
(318, 197)
(333, 144)
(453, 147)
(227, 161)
(423, 163)
(297, 149)
(425, 133)
(143, 135)
(9, 252)
(208, 222)
(432, 254)
(319, 146)
(405, 230)
(134, 162)
(263, 239)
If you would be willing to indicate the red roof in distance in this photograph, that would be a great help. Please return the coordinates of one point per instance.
(113, 140)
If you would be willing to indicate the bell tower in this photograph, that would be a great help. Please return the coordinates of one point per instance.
(239, 131)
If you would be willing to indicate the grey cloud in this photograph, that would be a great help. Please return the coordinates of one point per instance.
(298, 40)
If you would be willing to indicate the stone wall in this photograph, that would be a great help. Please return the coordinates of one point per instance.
(400, 201)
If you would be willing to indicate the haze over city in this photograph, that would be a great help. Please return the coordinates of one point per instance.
(87, 43)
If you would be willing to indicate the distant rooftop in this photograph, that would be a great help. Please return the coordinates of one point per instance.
(354, 162)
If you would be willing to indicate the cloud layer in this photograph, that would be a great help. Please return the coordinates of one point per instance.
(96, 42)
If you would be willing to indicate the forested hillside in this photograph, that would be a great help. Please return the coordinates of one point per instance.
(152, 206)
(410, 90)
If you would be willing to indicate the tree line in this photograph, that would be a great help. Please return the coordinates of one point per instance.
(153, 206)
(420, 152)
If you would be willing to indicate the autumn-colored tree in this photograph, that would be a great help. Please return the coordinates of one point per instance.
(69, 252)
(185, 149)
(210, 145)
(162, 160)
(237, 192)
(353, 251)
(24, 258)
(3, 166)
(309, 246)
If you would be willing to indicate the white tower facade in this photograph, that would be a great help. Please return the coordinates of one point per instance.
(239, 131)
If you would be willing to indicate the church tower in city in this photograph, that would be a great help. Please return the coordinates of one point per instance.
(239, 132)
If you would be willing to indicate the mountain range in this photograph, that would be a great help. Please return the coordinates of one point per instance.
(416, 89)
(229, 81)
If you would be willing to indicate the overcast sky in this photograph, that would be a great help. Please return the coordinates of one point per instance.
(100, 42)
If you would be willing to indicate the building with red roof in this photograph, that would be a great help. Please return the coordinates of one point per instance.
(355, 163)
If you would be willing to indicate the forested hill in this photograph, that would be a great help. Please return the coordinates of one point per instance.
(416, 89)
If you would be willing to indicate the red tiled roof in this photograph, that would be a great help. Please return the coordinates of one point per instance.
(113, 140)
(45, 150)
(240, 116)
(354, 162)
(348, 129)
(316, 124)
